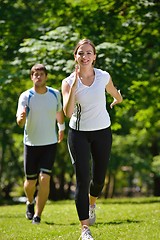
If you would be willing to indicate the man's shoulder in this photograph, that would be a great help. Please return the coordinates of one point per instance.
(51, 89)
(54, 92)
(26, 93)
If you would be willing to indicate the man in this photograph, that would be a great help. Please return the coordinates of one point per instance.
(38, 110)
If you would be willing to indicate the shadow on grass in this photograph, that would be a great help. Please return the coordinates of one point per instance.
(118, 222)
(60, 224)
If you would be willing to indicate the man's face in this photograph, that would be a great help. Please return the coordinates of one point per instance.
(39, 78)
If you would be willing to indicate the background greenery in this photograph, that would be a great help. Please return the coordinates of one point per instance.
(127, 39)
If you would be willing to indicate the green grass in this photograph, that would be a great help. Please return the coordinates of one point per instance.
(117, 219)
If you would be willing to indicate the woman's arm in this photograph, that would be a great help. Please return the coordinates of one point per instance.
(110, 88)
(68, 93)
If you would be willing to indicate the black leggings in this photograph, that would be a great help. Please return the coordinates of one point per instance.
(83, 146)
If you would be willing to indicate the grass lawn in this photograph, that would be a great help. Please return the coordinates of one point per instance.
(117, 219)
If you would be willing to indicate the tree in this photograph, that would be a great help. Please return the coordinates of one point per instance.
(127, 38)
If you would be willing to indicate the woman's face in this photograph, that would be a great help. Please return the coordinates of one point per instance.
(85, 55)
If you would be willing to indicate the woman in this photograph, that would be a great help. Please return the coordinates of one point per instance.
(84, 102)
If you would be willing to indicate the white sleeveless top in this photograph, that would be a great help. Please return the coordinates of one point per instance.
(90, 108)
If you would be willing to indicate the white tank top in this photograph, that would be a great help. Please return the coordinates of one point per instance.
(90, 108)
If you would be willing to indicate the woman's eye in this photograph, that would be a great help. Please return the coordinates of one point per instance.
(82, 53)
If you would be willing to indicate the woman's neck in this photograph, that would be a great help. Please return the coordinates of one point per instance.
(87, 77)
(86, 72)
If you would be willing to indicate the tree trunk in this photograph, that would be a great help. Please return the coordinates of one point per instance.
(109, 186)
(157, 186)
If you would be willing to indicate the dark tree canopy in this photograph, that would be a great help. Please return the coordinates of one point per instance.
(127, 39)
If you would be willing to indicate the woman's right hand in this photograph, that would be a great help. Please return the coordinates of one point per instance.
(75, 82)
(68, 93)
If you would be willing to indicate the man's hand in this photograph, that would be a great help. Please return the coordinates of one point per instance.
(21, 119)
(60, 136)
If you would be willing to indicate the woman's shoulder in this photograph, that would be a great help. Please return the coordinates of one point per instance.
(101, 73)
(70, 78)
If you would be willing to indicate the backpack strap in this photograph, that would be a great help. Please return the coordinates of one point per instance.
(53, 92)
(31, 93)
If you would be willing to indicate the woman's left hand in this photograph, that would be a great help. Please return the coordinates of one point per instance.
(115, 101)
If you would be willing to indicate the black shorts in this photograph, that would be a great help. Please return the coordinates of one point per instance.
(39, 159)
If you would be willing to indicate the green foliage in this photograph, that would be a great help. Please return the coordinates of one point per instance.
(126, 35)
(53, 49)
(156, 165)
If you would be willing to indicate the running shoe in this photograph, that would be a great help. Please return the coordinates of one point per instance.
(92, 214)
(36, 220)
(29, 210)
(86, 234)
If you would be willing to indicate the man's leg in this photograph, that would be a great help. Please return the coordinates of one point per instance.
(43, 192)
(46, 160)
(29, 188)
